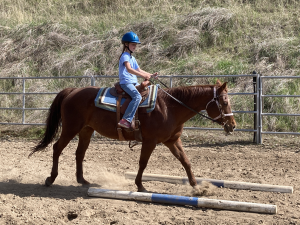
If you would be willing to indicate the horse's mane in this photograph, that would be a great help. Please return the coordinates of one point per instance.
(185, 93)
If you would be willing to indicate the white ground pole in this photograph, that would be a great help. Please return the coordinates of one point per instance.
(218, 183)
(183, 200)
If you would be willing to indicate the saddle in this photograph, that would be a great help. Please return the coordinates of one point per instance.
(118, 92)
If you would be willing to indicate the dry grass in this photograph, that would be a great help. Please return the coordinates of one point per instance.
(82, 37)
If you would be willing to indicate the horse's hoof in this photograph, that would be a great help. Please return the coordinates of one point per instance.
(142, 190)
(83, 182)
(48, 183)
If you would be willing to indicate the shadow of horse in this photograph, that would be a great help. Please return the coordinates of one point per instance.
(36, 190)
(56, 191)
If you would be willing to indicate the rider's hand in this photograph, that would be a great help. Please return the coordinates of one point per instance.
(147, 77)
(154, 75)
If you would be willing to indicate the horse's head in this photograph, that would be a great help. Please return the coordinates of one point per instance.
(219, 108)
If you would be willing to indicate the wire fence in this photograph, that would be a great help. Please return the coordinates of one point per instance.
(26, 100)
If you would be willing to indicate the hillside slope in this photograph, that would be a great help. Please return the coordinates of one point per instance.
(58, 38)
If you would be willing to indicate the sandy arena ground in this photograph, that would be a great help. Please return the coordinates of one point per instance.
(25, 200)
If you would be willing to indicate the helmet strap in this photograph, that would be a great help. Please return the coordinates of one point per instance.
(128, 48)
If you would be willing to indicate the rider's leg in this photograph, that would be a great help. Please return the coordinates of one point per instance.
(134, 104)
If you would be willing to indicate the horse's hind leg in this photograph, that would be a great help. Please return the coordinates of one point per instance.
(84, 141)
(58, 147)
(176, 148)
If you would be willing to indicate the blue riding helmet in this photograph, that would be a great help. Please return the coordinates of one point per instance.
(130, 37)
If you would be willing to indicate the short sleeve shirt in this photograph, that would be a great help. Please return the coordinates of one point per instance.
(124, 76)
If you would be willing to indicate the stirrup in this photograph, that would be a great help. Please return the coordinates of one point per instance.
(134, 144)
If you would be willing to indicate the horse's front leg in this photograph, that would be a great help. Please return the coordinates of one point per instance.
(176, 148)
(147, 149)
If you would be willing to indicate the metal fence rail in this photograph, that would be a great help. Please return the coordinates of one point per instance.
(257, 94)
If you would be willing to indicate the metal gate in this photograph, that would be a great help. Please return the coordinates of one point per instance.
(257, 94)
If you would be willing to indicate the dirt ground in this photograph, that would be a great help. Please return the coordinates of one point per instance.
(25, 200)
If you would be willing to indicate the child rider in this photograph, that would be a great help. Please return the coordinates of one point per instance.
(128, 72)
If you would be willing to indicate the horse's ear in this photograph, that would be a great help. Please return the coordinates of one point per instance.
(218, 82)
(224, 86)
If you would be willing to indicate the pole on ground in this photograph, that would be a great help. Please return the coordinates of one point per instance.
(183, 200)
(218, 183)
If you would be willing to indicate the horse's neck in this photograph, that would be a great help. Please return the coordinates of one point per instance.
(195, 97)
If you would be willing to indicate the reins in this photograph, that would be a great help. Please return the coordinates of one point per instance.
(214, 99)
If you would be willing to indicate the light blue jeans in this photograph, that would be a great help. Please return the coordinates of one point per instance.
(134, 104)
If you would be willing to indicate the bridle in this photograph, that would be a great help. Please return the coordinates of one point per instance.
(216, 100)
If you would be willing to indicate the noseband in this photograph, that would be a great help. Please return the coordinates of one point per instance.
(216, 100)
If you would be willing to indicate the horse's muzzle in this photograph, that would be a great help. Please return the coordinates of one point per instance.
(228, 128)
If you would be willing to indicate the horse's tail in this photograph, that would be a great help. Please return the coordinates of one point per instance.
(53, 120)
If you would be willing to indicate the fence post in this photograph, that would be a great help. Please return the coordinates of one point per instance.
(260, 109)
(93, 84)
(92, 81)
(171, 81)
(255, 108)
(23, 107)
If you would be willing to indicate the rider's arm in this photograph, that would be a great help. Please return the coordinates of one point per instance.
(137, 72)
(154, 75)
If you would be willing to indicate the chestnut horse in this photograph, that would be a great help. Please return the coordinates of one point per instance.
(74, 108)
